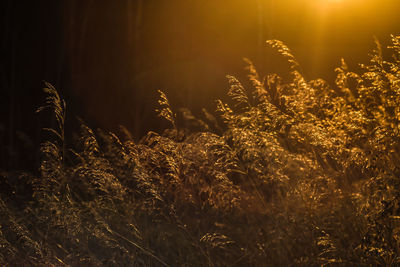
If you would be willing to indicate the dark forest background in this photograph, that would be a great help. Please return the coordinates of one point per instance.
(109, 58)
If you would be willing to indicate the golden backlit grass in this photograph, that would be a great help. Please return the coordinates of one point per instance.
(290, 172)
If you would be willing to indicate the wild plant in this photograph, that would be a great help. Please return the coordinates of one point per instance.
(287, 172)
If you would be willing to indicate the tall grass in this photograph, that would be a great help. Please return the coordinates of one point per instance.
(289, 173)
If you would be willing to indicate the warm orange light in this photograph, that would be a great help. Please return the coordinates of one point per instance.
(331, 1)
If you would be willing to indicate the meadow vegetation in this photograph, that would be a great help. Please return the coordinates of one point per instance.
(290, 172)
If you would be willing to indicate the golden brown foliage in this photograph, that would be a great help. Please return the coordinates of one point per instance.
(299, 173)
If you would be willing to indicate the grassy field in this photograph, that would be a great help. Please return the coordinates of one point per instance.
(290, 172)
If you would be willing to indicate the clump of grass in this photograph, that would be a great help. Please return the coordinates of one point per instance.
(290, 172)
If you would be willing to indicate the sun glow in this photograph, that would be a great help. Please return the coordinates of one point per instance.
(327, 3)
(331, 1)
